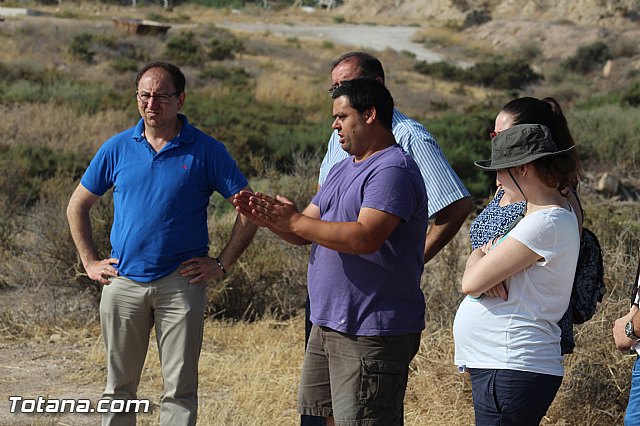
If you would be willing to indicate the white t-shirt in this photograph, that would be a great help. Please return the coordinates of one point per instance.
(522, 333)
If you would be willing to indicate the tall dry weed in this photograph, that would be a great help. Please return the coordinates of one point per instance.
(59, 127)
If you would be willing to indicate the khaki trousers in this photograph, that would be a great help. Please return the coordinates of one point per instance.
(128, 311)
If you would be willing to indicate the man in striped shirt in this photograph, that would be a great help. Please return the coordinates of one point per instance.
(449, 202)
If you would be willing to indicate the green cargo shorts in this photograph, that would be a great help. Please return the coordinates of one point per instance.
(356, 379)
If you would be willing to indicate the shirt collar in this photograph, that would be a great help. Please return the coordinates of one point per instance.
(185, 136)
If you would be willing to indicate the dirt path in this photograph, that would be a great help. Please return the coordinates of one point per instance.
(358, 36)
(48, 368)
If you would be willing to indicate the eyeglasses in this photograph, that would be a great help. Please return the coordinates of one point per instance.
(161, 98)
(333, 88)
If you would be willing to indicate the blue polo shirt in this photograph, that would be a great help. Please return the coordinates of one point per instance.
(160, 199)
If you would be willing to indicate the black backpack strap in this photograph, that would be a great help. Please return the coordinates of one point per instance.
(635, 285)
(574, 191)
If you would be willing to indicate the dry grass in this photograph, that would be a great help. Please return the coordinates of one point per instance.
(249, 372)
(59, 127)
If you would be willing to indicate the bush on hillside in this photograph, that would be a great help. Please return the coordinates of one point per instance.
(231, 76)
(463, 141)
(502, 74)
(632, 95)
(608, 137)
(33, 72)
(122, 65)
(25, 168)
(223, 44)
(184, 49)
(81, 47)
(476, 17)
(440, 70)
(192, 49)
(498, 73)
(588, 58)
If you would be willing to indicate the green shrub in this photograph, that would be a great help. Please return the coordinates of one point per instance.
(25, 168)
(123, 64)
(502, 74)
(476, 17)
(498, 73)
(81, 47)
(527, 52)
(338, 19)
(608, 137)
(464, 139)
(219, 49)
(327, 44)
(632, 95)
(232, 76)
(588, 58)
(84, 97)
(441, 70)
(222, 44)
(184, 48)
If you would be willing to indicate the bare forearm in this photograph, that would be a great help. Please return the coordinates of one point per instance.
(291, 238)
(241, 236)
(446, 225)
(473, 259)
(80, 227)
(345, 237)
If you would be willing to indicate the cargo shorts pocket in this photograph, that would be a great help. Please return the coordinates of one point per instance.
(382, 382)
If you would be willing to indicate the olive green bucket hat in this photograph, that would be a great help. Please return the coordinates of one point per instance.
(519, 145)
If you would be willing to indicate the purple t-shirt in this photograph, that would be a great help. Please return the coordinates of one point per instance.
(373, 294)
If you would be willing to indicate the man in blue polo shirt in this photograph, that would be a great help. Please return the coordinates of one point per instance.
(163, 172)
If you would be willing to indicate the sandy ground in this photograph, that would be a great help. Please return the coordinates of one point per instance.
(42, 369)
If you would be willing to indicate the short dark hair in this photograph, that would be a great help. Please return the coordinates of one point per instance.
(366, 93)
(179, 82)
(368, 65)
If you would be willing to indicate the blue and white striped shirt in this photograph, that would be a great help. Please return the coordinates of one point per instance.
(442, 183)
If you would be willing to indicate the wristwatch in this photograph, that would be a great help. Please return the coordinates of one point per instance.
(628, 329)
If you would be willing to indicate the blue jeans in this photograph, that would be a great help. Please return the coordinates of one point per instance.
(510, 397)
(632, 415)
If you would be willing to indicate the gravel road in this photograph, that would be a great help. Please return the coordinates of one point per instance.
(359, 36)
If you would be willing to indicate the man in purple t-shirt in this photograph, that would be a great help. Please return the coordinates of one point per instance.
(367, 228)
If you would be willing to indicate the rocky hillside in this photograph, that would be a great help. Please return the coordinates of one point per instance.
(582, 12)
(556, 27)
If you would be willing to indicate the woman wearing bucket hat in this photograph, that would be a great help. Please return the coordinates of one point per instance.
(500, 214)
(511, 347)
